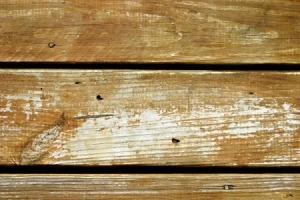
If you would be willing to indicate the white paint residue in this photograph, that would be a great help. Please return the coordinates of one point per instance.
(54, 102)
(128, 134)
(179, 37)
(150, 116)
(147, 132)
(31, 13)
(27, 110)
(253, 111)
(31, 106)
(7, 107)
(173, 54)
(244, 124)
(270, 34)
(109, 138)
(286, 106)
(4, 128)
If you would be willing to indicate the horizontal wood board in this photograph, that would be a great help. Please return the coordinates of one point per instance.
(150, 186)
(191, 31)
(160, 118)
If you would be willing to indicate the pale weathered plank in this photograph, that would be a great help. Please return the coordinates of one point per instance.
(107, 117)
(150, 186)
(207, 31)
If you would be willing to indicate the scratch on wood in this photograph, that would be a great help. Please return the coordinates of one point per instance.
(93, 116)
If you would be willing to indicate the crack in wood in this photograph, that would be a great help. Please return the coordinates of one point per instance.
(93, 116)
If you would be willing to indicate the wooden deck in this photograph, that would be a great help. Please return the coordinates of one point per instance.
(124, 133)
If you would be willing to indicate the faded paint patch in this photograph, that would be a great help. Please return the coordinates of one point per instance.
(131, 135)
(147, 134)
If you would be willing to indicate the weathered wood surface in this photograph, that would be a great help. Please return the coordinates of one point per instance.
(107, 117)
(207, 31)
(154, 186)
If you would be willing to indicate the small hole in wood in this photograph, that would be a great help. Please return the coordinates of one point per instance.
(175, 141)
(77, 82)
(51, 45)
(41, 88)
(99, 98)
(251, 93)
(228, 187)
(289, 195)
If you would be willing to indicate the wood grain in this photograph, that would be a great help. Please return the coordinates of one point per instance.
(135, 117)
(206, 31)
(153, 186)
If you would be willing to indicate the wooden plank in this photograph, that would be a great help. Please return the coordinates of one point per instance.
(135, 117)
(150, 186)
(207, 31)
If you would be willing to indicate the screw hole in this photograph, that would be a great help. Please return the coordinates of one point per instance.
(251, 93)
(99, 98)
(77, 82)
(228, 187)
(175, 141)
(51, 45)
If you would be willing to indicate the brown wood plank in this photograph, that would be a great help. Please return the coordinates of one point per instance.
(207, 31)
(150, 186)
(135, 117)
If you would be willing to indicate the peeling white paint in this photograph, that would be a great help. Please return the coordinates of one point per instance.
(286, 106)
(110, 138)
(4, 128)
(27, 110)
(148, 132)
(32, 102)
(7, 108)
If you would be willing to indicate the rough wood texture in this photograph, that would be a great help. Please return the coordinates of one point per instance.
(204, 118)
(154, 186)
(206, 31)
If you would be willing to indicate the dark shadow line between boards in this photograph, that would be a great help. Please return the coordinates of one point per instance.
(135, 169)
(148, 66)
